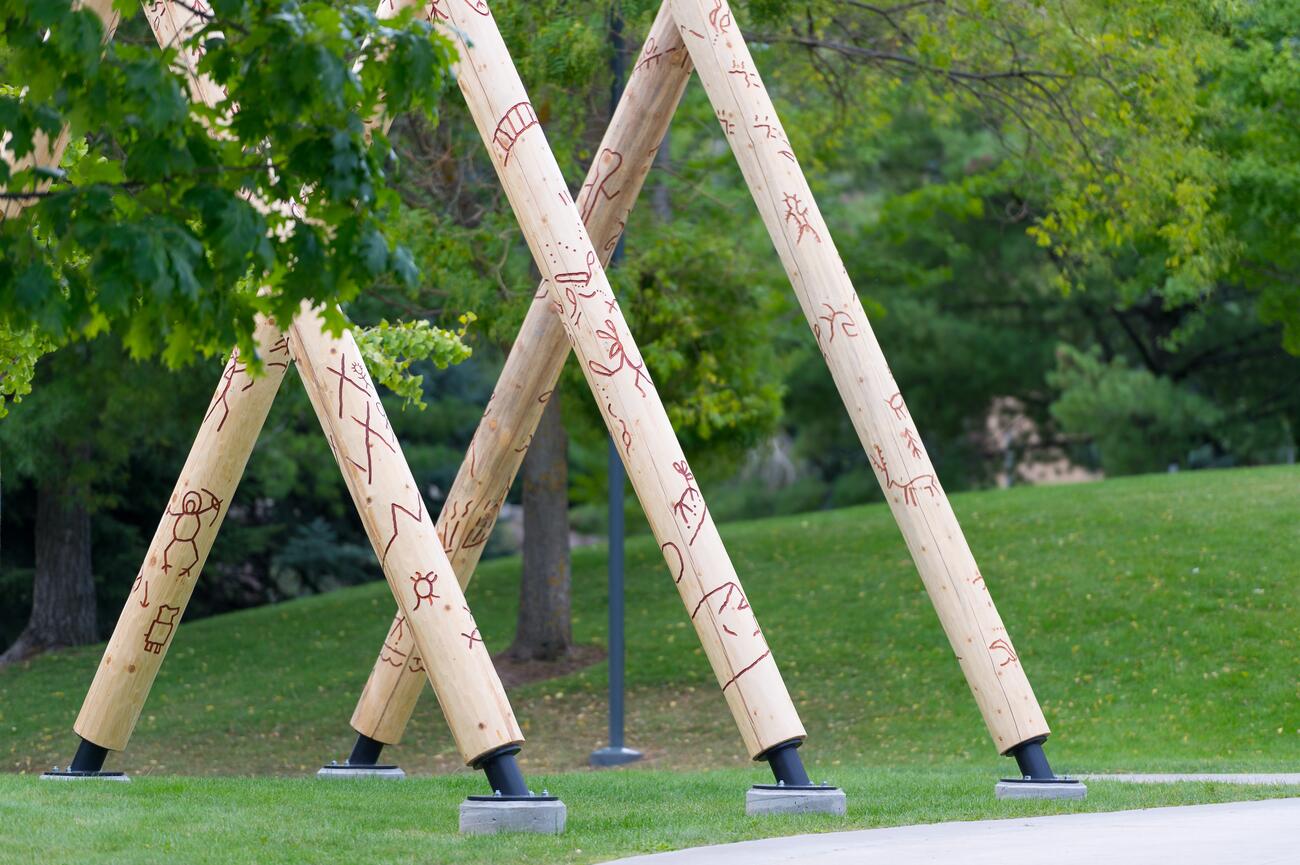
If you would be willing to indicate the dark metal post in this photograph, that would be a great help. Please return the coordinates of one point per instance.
(616, 754)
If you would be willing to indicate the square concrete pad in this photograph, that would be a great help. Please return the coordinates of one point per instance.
(820, 800)
(1040, 790)
(488, 816)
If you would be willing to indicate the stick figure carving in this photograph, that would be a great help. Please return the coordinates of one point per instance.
(734, 617)
(719, 18)
(925, 482)
(616, 350)
(608, 164)
(422, 585)
(188, 524)
(684, 507)
(160, 629)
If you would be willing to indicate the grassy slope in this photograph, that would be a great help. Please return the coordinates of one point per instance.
(1156, 616)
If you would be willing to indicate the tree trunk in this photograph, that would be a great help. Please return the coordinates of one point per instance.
(543, 631)
(63, 592)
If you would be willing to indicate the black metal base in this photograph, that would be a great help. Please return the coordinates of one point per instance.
(365, 751)
(503, 774)
(786, 764)
(348, 764)
(69, 773)
(89, 758)
(1033, 763)
(531, 797)
(799, 788)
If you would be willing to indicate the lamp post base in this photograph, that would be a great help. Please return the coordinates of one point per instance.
(612, 756)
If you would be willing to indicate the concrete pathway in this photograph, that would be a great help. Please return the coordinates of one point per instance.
(1166, 778)
(1235, 833)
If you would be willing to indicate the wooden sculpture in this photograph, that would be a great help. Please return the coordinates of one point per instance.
(385, 493)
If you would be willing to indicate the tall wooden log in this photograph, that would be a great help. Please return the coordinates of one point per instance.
(480, 715)
(534, 364)
(45, 152)
(576, 284)
(883, 422)
(203, 491)
(401, 529)
(181, 544)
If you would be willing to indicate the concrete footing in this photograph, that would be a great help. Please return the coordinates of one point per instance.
(1009, 788)
(795, 800)
(345, 770)
(489, 815)
(56, 775)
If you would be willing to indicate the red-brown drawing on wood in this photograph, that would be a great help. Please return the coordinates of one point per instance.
(734, 618)
(1002, 645)
(517, 119)
(625, 435)
(653, 54)
(927, 482)
(188, 524)
(680, 568)
(607, 165)
(840, 317)
(896, 403)
(913, 444)
(371, 435)
(685, 506)
(619, 353)
(161, 628)
(141, 581)
(574, 280)
(728, 127)
(390, 654)
(742, 71)
(393, 508)
(422, 586)
(359, 383)
(719, 18)
(473, 635)
(222, 398)
(796, 211)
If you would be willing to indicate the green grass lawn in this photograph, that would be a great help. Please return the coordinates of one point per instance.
(1157, 618)
(265, 821)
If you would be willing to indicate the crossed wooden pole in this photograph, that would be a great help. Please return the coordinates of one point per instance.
(574, 309)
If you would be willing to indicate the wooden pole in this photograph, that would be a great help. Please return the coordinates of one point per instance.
(181, 544)
(576, 284)
(884, 425)
(401, 529)
(533, 366)
(479, 714)
(45, 152)
(207, 483)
